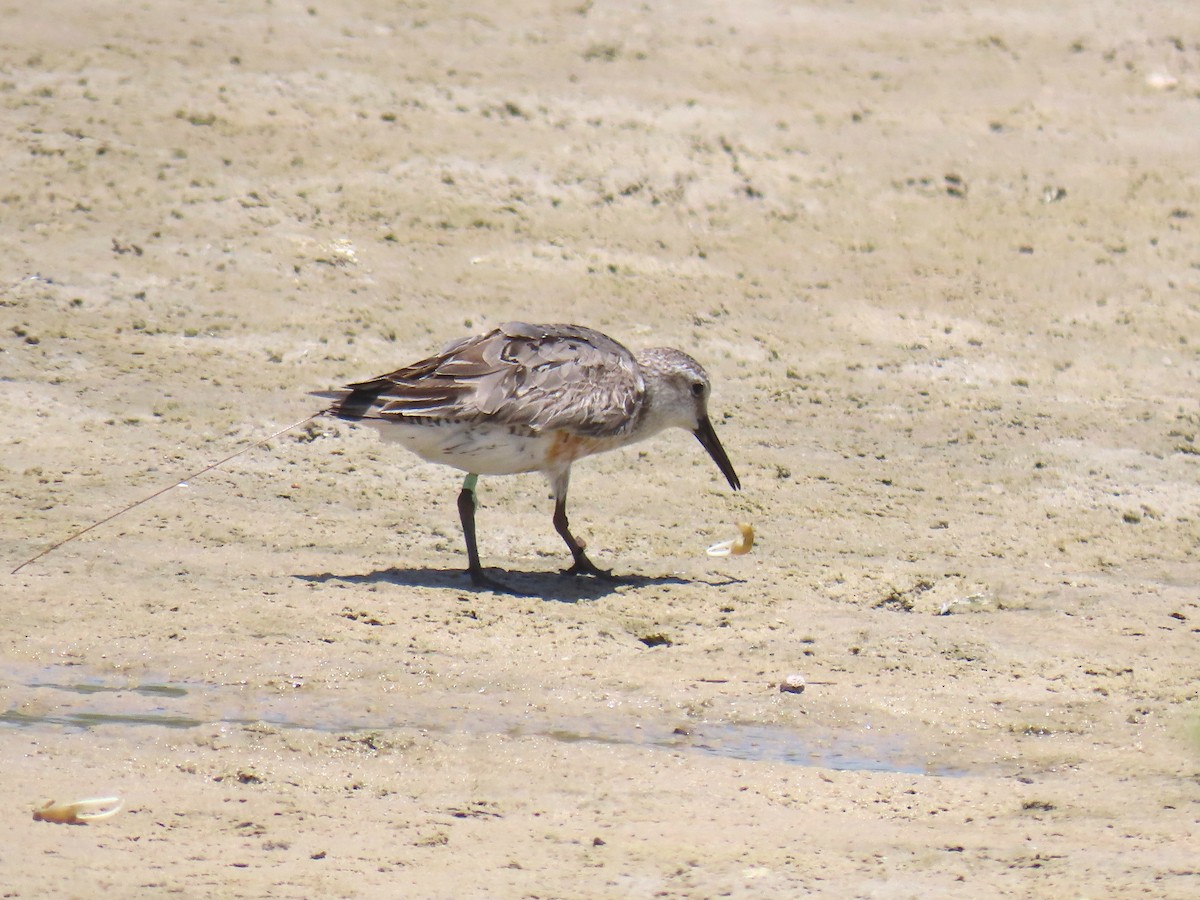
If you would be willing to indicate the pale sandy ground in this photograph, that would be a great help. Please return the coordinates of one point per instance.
(942, 262)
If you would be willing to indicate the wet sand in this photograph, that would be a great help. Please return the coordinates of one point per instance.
(941, 263)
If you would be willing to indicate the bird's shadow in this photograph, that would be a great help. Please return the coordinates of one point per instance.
(544, 585)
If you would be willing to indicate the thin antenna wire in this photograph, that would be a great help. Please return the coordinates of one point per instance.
(161, 491)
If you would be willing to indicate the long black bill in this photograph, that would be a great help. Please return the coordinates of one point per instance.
(708, 438)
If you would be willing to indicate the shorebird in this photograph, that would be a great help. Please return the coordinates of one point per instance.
(532, 398)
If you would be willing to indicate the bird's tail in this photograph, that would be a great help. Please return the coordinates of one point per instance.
(349, 405)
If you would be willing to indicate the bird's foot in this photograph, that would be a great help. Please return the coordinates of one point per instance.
(487, 583)
(584, 566)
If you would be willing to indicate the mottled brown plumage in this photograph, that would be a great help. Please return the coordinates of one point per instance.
(526, 398)
(535, 377)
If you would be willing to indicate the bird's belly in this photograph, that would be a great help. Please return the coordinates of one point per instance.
(481, 449)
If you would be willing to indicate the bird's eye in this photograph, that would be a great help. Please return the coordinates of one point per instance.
(697, 389)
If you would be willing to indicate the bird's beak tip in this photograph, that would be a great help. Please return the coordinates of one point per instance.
(707, 436)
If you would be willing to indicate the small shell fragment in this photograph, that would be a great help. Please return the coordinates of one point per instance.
(1162, 81)
(79, 812)
(793, 684)
(737, 547)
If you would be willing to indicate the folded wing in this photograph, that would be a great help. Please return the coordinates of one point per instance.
(532, 377)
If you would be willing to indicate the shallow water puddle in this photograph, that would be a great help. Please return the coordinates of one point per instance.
(62, 697)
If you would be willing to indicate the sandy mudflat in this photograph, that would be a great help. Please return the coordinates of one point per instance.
(942, 262)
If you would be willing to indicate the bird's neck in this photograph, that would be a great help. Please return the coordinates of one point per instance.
(654, 416)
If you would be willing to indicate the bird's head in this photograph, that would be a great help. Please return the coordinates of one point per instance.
(677, 388)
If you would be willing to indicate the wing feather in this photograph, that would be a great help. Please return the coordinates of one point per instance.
(531, 377)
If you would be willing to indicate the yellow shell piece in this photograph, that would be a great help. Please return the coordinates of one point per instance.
(737, 547)
(80, 812)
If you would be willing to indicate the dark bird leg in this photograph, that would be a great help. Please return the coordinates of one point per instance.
(582, 565)
(466, 513)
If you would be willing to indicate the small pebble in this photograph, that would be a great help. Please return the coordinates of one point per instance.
(1162, 81)
(793, 684)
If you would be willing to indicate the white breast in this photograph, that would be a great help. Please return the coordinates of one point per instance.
(482, 449)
